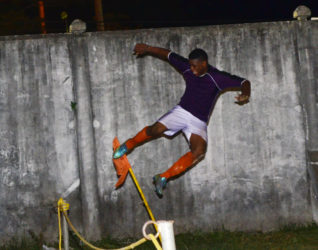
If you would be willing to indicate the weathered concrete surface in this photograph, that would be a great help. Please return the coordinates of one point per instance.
(38, 158)
(309, 96)
(254, 175)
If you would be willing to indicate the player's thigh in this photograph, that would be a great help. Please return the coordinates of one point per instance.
(156, 129)
(197, 145)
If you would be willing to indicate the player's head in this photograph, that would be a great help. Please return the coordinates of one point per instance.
(198, 54)
(198, 60)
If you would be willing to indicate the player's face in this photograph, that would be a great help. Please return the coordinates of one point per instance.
(198, 67)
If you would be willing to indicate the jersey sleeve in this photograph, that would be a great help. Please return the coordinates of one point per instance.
(225, 80)
(179, 62)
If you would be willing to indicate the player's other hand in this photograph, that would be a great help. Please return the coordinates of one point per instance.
(141, 49)
(242, 99)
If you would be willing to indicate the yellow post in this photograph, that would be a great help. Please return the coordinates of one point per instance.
(141, 194)
(143, 198)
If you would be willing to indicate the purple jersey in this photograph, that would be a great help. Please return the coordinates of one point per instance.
(201, 91)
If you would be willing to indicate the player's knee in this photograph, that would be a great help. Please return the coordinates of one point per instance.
(156, 129)
(199, 153)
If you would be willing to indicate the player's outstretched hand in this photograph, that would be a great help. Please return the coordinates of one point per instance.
(242, 99)
(141, 49)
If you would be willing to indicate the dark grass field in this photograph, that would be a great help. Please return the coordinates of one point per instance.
(288, 238)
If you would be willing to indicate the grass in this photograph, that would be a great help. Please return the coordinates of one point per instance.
(290, 238)
(25, 243)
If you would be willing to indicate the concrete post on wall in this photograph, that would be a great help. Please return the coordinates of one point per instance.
(307, 79)
(85, 137)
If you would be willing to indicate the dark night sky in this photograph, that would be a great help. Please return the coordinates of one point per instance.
(208, 10)
(148, 14)
(165, 13)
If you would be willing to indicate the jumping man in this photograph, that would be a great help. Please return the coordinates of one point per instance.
(203, 85)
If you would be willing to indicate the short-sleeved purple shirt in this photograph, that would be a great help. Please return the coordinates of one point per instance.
(201, 91)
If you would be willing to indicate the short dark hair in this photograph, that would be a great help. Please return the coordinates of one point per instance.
(199, 54)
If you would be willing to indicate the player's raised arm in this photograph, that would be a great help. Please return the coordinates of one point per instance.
(142, 49)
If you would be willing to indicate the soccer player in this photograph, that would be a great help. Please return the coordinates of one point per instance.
(203, 85)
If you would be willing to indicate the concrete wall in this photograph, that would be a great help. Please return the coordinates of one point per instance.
(254, 175)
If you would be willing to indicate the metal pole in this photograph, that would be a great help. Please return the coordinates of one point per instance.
(99, 15)
(167, 234)
(65, 234)
(42, 16)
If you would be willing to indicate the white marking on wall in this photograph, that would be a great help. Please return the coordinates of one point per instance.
(71, 188)
(71, 125)
(96, 124)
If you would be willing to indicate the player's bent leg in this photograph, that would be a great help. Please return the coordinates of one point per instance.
(157, 129)
(147, 133)
(177, 168)
(140, 137)
(198, 149)
(131, 143)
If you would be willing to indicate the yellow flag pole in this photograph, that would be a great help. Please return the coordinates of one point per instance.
(143, 198)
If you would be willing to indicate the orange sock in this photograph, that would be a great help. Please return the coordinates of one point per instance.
(179, 166)
(140, 137)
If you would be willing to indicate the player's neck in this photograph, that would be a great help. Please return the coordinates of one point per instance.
(204, 72)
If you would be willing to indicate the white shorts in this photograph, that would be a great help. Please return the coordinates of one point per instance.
(179, 119)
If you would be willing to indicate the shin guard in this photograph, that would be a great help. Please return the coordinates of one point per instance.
(180, 166)
(140, 137)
